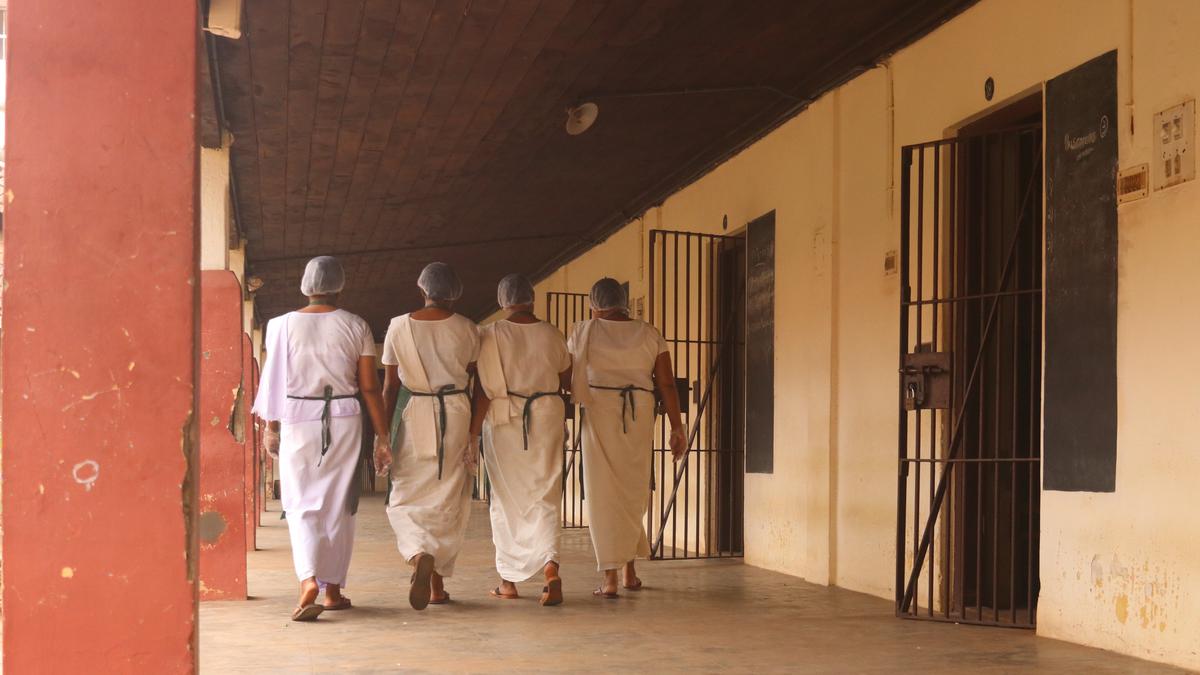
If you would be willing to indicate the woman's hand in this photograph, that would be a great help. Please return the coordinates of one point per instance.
(271, 441)
(383, 455)
(470, 457)
(678, 443)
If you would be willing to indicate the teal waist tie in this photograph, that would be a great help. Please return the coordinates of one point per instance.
(326, 415)
(527, 411)
(628, 403)
(440, 395)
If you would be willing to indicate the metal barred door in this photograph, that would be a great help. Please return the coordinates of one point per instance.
(564, 310)
(697, 302)
(968, 496)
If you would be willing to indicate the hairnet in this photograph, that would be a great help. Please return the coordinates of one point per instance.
(514, 290)
(439, 282)
(609, 294)
(323, 275)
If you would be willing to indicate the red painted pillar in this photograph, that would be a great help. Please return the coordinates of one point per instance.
(100, 338)
(222, 523)
(250, 443)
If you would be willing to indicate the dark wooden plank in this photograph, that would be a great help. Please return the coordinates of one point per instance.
(1080, 446)
(380, 20)
(451, 44)
(306, 33)
(268, 55)
(343, 25)
(412, 21)
(760, 345)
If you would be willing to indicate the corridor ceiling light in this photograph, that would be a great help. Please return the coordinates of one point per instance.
(580, 118)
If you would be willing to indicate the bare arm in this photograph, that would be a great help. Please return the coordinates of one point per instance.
(387, 401)
(664, 382)
(564, 381)
(480, 403)
(368, 386)
(391, 387)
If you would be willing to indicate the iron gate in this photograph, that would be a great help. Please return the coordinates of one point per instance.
(697, 302)
(564, 310)
(970, 379)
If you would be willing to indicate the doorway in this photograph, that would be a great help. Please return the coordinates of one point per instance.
(970, 399)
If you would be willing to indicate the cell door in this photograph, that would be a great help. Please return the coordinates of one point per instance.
(968, 495)
(698, 303)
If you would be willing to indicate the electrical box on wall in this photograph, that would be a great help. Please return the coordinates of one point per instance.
(1174, 145)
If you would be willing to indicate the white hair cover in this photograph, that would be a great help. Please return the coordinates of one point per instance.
(323, 275)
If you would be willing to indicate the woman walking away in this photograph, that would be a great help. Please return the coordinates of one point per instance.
(429, 355)
(523, 367)
(618, 364)
(320, 360)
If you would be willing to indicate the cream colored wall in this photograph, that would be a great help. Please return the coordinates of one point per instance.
(1118, 570)
(215, 216)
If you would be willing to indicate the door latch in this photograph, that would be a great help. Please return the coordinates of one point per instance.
(925, 381)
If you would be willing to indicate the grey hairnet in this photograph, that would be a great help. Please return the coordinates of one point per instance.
(514, 290)
(323, 275)
(439, 282)
(608, 293)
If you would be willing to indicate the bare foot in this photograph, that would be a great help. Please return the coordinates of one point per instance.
(334, 600)
(609, 587)
(507, 590)
(631, 580)
(308, 592)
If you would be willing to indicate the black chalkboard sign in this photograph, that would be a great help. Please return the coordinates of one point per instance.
(760, 345)
(1080, 443)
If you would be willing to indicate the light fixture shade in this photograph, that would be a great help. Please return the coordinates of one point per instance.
(580, 118)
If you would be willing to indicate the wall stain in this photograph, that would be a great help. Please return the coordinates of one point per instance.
(211, 526)
(1122, 608)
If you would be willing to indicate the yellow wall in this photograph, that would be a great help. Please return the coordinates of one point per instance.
(1118, 570)
(215, 216)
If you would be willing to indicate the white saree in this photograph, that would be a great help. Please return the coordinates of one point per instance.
(614, 364)
(429, 513)
(519, 366)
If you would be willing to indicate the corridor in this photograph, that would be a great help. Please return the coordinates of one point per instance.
(695, 616)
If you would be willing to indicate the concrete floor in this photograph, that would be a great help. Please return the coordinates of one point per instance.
(697, 616)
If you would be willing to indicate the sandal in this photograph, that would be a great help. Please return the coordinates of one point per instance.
(601, 593)
(440, 601)
(636, 586)
(552, 593)
(495, 593)
(420, 590)
(343, 603)
(307, 612)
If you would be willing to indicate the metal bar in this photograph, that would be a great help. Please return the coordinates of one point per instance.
(977, 296)
(984, 342)
(687, 358)
(675, 360)
(1019, 130)
(902, 423)
(952, 225)
(936, 338)
(969, 460)
(920, 241)
(711, 524)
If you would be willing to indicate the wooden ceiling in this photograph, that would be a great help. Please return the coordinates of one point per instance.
(395, 133)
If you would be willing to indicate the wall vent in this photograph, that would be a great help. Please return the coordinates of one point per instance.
(1133, 183)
